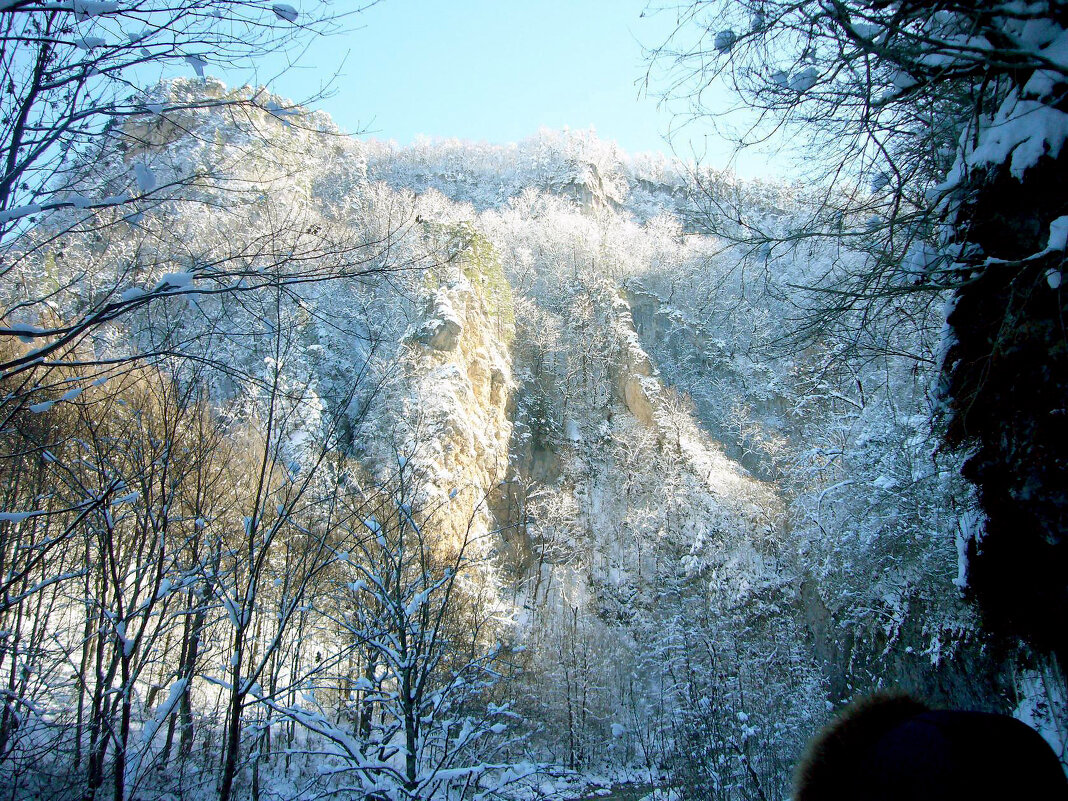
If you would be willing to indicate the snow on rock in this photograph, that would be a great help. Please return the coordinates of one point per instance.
(450, 408)
(1021, 132)
(633, 369)
(444, 325)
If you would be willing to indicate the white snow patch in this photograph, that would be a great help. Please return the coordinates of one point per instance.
(18, 517)
(146, 180)
(84, 9)
(173, 282)
(1042, 706)
(804, 80)
(1024, 130)
(89, 42)
(285, 11)
(1058, 234)
(133, 293)
(725, 40)
(19, 211)
(969, 528)
(198, 64)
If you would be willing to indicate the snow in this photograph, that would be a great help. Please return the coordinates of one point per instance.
(197, 63)
(1043, 82)
(89, 42)
(174, 282)
(24, 331)
(1042, 706)
(712, 504)
(132, 293)
(902, 80)
(866, 30)
(969, 529)
(19, 211)
(725, 40)
(884, 483)
(128, 498)
(1021, 133)
(1058, 234)
(83, 9)
(285, 11)
(146, 180)
(18, 517)
(804, 80)
(572, 431)
(177, 689)
(280, 112)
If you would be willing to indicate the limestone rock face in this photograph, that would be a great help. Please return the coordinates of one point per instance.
(445, 335)
(634, 373)
(640, 393)
(449, 417)
(444, 325)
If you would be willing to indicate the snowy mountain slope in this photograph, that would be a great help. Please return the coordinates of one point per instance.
(676, 538)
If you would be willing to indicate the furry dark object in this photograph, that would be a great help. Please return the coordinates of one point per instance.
(892, 747)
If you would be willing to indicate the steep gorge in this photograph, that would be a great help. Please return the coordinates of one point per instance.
(682, 545)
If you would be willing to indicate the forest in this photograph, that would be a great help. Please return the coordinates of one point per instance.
(335, 468)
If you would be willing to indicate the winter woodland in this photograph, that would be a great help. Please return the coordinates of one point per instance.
(338, 469)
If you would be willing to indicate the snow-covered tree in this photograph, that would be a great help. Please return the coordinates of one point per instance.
(941, 128)
(420, 652)
(84, 130)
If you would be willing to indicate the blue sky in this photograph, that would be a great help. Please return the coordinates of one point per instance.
(497, 71)
(493, 70)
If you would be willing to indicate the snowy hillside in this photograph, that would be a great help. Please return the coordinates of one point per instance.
(339, 468)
